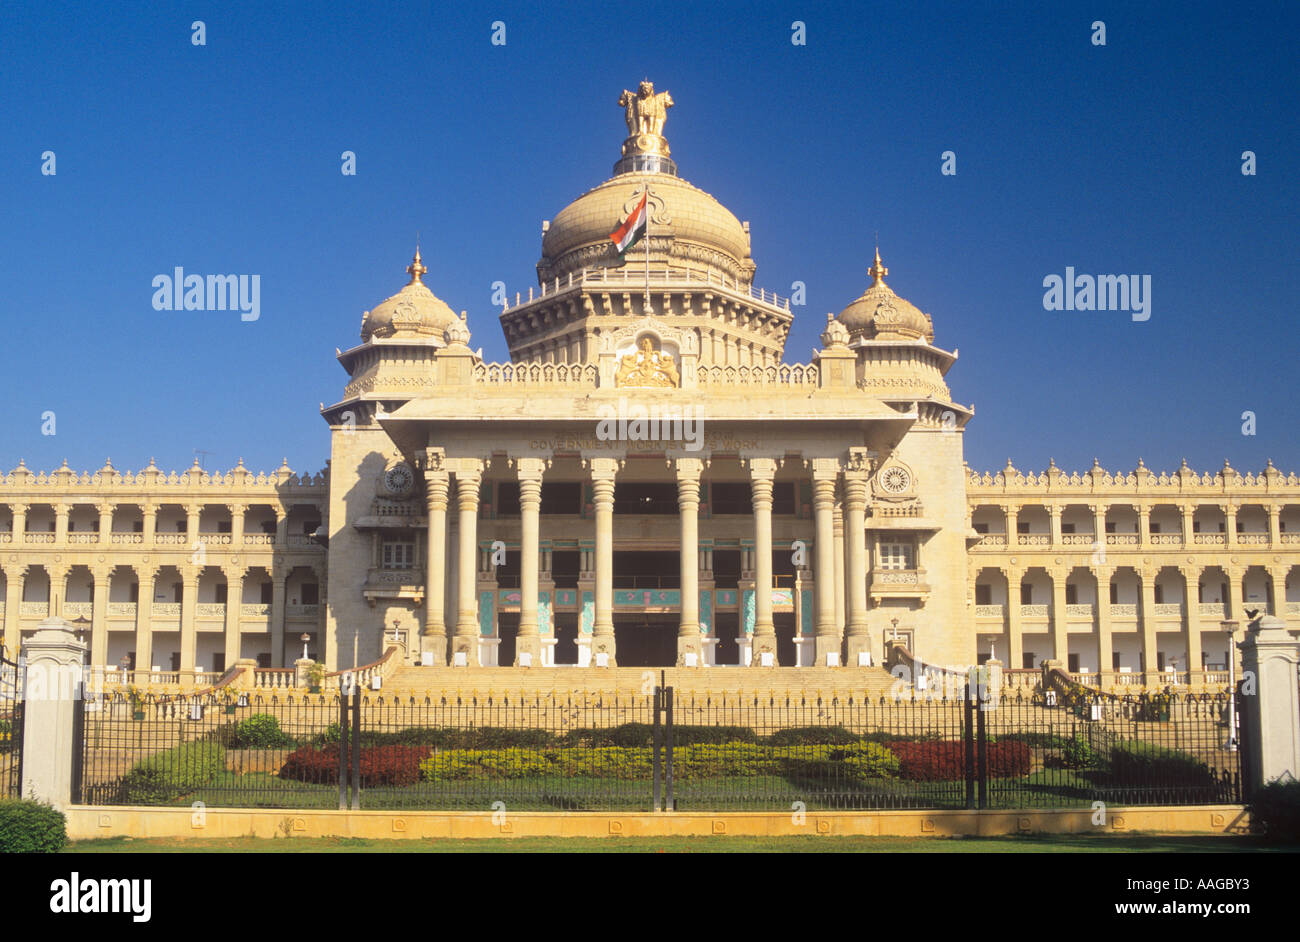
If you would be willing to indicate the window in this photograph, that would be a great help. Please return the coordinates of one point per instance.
(1115, 661)
(1071, 596)
(1027, 660)
(508, 499)
(1154, 528)
(221, 593)
(310, 593)
(1114, 594)
(1160, 594)
(1022, 527)
(268, 592)
(731, 497)
(135, 592)
(137, 526)
(783, 498)
(983, 595)
(398, 554)
(223, 526)
(1110, 527)
(981, 527)
(562, 497)
(1026, 594)
(896, 556)
(1073, 663)
(1067, 528)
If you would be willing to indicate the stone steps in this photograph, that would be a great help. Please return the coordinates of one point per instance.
(842, 682)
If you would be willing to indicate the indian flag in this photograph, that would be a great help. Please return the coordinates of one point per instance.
(633, 228)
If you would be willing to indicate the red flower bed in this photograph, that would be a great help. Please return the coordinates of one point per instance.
(380, 765)
(946, 761)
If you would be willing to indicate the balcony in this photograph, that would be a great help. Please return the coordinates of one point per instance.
(121, 609)
(126, 539)
(1033, 539)
(33, 609)
(991, 541)
(1034, 611)
(1166, 539)
(73, 610)
(1252, 539)
(1078, 539)
(1212, 609)
(255, 611)
(169, 539)
(38, 537)
(1124, 610)
(1079, 610)
(1167, 609)
(259, 539)
(1121, 539)
(310, 612)
(1209, 539)
(997, 612)
(83, 538)
(210, 610)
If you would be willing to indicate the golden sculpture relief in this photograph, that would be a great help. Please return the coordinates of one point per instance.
(647, 366)
(645, 113)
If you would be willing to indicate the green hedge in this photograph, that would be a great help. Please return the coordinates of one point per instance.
(1142, 763)
(813, 736)
(854, 762)
(1275, 810)
(29, 827)
(178, 771)
(259, 731)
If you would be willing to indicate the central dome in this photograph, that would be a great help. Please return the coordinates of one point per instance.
(688, 229)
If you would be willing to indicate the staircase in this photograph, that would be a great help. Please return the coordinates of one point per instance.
(779, 682)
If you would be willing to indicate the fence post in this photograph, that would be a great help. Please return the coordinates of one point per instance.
(52, 697)
(356, 748)
(343, 751)
(968, 737)
(1272, 716)
(669, 804)
(657, 742)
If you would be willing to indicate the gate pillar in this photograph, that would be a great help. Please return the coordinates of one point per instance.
(1272, 717)
(52, 695)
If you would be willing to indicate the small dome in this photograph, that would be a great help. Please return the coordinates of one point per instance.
(704, 234)
(879, 314)
(414, 312)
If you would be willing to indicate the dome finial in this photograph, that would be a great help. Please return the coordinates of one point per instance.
(877, 271)
(416, 268)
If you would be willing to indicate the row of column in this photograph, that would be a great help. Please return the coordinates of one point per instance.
(16, 578)
(150, 522)
(1234, 606)
(467, 475)
(1188, 512)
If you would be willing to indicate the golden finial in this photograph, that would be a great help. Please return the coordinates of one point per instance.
(416, 268)
(877, 271)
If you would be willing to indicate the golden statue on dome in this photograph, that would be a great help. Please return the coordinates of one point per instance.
(645, 112)
(647, 367)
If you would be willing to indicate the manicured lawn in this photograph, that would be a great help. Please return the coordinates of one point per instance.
(1036, 844)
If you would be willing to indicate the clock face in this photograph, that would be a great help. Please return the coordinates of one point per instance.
(399, 479)
(895, 480)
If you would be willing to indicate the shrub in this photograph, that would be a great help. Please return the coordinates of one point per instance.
(173, 773)
(1133, 762)
(29, 827)
(946, 761)
(260, 731)
(812, 736)
(1078, 753)
(380, 765)
(1008, 759)
(1275, 810)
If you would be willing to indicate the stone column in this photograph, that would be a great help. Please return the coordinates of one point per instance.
(528, 641)
(1274, 532)
(234, 602)
(105, 523)
(237, 512)
(1147, 624)
(278, 579)
(469, 477)
(1189, 512)
(1144, 524)
(99, 616)
(189, 609)
(837, 529)
(1054, 523)
(1015, 631)
(825, 473)
(192, 512)
(1230, 524)
(54, 660)
(855, 503)
(603, 471)
(1060, 624)
(688, 508)
(60, 526)
(1271, 719)
(15, 576)
(1013, 517)
(1105, 642)
(762, 472)
(144, 617)
(1192, 616)
(281, 526)
(58, 588)
(150, 528)
(20, 523)
(433, 636)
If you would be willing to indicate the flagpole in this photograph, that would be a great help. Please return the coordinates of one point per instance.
(647, 248)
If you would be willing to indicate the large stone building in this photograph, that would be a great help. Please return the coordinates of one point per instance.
(647, 482)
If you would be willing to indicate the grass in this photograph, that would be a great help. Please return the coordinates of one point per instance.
(1029, 844)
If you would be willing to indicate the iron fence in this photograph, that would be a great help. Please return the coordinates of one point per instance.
(641, 753)
(11, 728)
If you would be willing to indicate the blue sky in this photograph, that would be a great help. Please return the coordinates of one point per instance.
(225, 159)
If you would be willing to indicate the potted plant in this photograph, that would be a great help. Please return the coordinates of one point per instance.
(315, 677)
(137, 702)
(229, 706)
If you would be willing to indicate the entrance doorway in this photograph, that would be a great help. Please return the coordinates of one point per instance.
(507, 631)
(726, 627)
(646, 640)
(566, 637)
